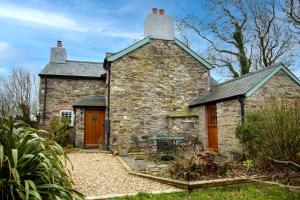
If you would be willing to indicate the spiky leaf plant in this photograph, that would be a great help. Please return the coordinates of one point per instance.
(32, 167)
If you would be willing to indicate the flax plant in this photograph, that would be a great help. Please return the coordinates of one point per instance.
(32, 167)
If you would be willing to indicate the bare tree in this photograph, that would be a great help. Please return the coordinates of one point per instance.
(243, 35)
(272, 38)
(225, 33)
(183, 33)
(292, 9)
(18, 95)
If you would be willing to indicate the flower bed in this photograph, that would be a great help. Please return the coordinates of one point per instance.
(196, 169)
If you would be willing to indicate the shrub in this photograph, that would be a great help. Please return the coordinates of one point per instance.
(224, 168)
(193, 165)
(273, 132)
(59, 128)
(248, 164)
(32, 167)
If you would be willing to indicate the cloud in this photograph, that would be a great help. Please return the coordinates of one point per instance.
(7, 51)
(4, 46)
(56, 20)
(39, 17)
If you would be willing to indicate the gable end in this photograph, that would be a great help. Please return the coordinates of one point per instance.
(128, 49)
(193, 54)
(267, 78)
(139, 44)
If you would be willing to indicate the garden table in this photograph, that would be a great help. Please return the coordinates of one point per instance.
(166, 143)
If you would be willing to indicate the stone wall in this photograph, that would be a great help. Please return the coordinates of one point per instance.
(148, 84)
(62, 93)
(278, 87)
(79, 128)
(202, 124)
(229, 112)
(183, 125)
(228, 117)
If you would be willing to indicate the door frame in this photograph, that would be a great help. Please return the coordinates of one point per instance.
(84, 132)
(207, 126)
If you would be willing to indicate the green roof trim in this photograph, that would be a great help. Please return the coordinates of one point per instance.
(244, 85)
(193, 54)
(269, 76)
(128, 49)
(147, 40)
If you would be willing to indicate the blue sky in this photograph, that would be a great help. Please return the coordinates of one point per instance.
(87, 28)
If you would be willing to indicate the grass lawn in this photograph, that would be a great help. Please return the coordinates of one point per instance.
(242, 192)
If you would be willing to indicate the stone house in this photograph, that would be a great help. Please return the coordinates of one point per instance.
(155, 86)
(68, 88)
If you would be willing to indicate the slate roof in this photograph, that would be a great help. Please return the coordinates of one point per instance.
(242, 86)
(74, 68)
(91, 101)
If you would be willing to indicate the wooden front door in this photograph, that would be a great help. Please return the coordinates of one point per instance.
(212, 128)
(94, 128)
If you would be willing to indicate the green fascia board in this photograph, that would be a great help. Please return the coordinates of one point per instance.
(128, 49)
(269, 76)
(193, 54)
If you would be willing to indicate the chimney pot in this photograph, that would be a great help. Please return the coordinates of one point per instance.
(154, 11)
(59, 44)
(161, 11)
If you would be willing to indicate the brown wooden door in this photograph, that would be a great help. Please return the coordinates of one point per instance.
(212, 128)
(94, 128)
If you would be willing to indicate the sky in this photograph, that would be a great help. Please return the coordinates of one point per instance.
(87, 28)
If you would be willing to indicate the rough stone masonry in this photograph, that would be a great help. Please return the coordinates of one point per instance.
(148, 84)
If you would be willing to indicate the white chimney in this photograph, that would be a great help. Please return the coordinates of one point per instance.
(159, 26)
(58, 54)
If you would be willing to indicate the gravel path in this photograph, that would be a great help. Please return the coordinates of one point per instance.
(97, 174)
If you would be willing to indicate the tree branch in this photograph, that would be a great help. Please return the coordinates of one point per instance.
(285, 162)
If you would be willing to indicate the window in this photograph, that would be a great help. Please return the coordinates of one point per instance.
(69, 114)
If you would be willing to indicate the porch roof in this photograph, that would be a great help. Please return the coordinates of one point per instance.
(91, 101)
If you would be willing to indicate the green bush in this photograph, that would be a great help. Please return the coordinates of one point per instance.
(248, 164)
(59, 128)
(32, 167)
(273, 132)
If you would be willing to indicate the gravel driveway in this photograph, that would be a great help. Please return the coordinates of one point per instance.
(96, 174)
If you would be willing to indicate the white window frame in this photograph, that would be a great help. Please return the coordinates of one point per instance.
(72, 116)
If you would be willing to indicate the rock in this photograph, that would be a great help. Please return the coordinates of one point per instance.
(140, 165)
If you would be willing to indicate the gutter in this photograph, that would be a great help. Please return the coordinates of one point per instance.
(241, 99)
(242, 104)
(107, 65)
(215, 101)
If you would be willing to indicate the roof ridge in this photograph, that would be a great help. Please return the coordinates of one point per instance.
(84, 61)
(128, 49)
(246, 75)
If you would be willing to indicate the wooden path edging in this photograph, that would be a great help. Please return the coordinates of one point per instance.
(189, 185)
